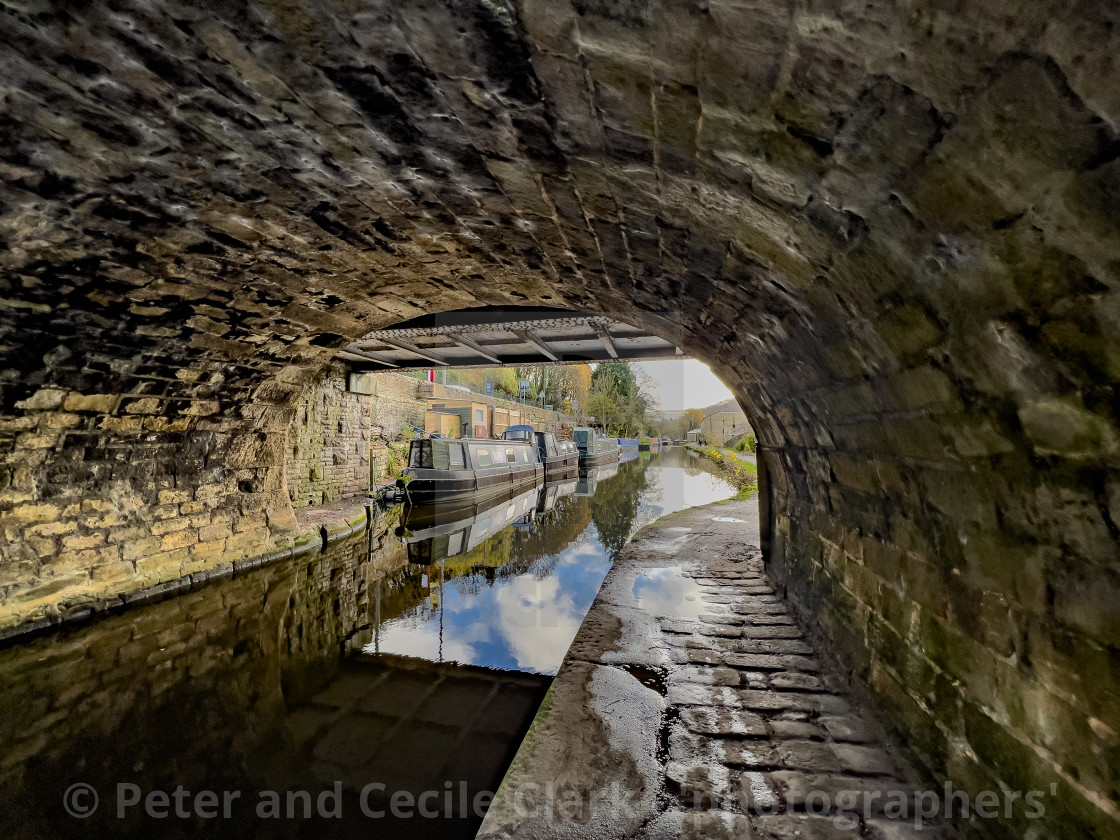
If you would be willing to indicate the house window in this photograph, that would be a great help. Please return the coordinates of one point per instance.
(480, 415)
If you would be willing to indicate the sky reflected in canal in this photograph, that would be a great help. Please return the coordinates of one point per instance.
(515, 600)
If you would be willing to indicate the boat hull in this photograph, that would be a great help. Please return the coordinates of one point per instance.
(561, 467)
(458, 486)
(598, 458)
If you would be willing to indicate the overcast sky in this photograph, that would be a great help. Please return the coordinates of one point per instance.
(685, 383)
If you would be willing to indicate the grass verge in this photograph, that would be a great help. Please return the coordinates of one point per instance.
(743, 474)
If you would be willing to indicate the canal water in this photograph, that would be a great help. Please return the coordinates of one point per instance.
(379, 689)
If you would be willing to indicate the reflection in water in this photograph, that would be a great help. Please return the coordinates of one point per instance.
(324, 672)
(514, 600)
(667, 591)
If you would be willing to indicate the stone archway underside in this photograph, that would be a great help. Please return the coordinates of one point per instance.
(892, 229)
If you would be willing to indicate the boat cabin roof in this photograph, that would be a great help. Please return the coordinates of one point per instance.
(450, 453)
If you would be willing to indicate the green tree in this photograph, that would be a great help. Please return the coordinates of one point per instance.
(504, 378)
(561, 384)
(620, 400)
(691, 419)
(615, 377)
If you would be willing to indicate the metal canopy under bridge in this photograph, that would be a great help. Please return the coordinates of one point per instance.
(491, 336)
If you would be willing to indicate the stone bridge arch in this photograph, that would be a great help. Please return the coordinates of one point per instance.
(891, 228)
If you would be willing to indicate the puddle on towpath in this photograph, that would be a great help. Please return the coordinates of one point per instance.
(667, 592)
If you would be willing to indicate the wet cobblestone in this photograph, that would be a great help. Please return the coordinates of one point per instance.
(760, 738)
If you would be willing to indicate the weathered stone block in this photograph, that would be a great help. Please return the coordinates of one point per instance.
(1061, 427)
(31, 513)
(146, 405)
(40, 440)
(80, 541)
(134, 549)
(167, 526)
(249, 523)
(92, 403)
(178, 539)
(44, 399)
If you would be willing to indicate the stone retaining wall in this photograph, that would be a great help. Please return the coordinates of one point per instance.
(335, 432)
(205, 655)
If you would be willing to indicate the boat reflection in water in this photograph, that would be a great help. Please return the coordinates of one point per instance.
(506, 582)
(589, 478)
(436, 532)
(554, 491)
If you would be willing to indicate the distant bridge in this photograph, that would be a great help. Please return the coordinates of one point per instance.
(493, 336)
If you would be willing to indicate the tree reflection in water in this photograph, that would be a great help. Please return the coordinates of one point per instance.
(615, 505)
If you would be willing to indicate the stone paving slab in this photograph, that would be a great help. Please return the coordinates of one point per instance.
(692, 705)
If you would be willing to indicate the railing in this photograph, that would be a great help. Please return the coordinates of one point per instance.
(497, 395)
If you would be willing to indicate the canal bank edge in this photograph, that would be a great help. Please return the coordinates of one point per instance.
(636, 735)
(319, 528)
(568, 758)
(740, 472)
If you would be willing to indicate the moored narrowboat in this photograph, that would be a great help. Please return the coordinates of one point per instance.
(442, 471)
(594, 449)
(560, 457)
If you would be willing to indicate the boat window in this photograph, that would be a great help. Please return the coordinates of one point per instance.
(455, 453)
(524, 455)
(439, 455)
(483, 457)
(483, 524)
(420, 455)
(510, 456)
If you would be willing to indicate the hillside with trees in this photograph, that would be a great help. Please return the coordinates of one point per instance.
(691, 418)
